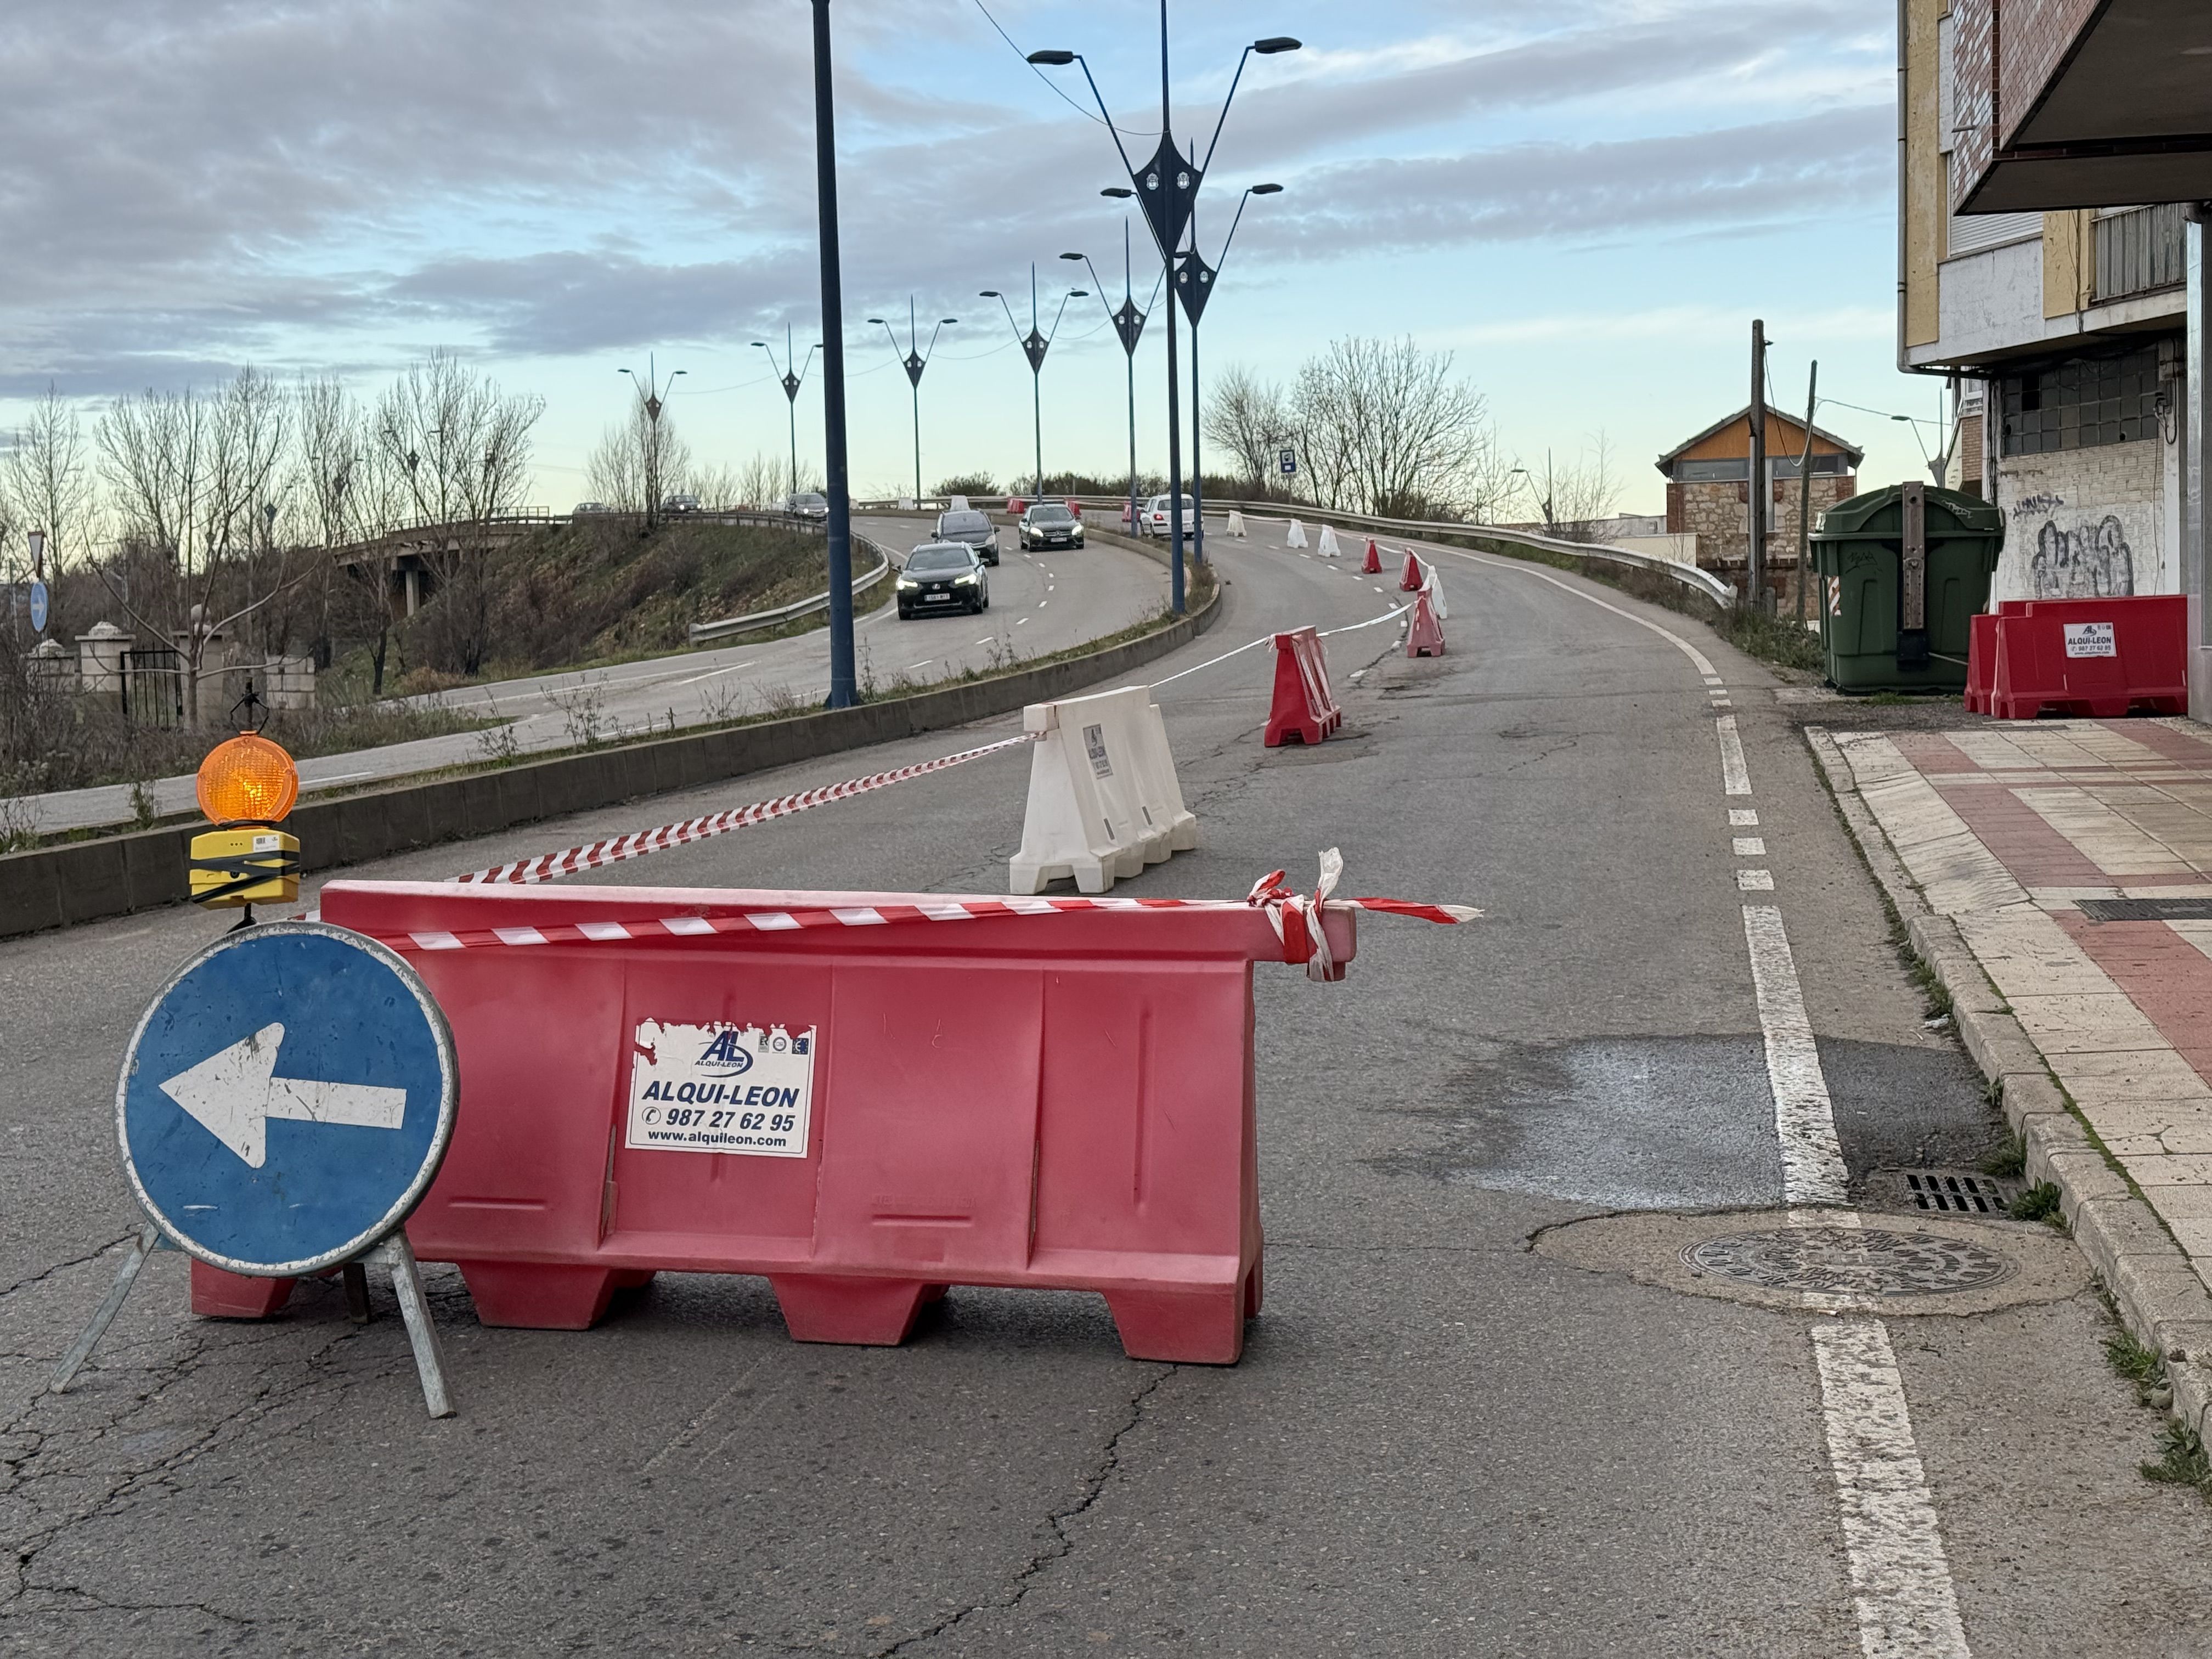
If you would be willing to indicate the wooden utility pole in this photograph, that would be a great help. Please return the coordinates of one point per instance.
(1805, 488)
(1755, 487)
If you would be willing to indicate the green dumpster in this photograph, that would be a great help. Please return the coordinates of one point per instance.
(1903, 573)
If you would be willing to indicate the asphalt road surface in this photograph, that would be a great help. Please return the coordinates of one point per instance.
(1477, 1416)
(1040, 603)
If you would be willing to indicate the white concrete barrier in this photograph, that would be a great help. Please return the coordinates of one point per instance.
(1329, 549)
(1237, 526)
(1436, 592)
(1297, 536)
(1104, 800)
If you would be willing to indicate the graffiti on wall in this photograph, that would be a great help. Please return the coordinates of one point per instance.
(2083, 560)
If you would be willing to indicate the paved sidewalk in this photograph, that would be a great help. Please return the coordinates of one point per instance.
(2024, 837)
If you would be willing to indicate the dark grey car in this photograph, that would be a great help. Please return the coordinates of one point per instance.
(974, 528)
(943, 576)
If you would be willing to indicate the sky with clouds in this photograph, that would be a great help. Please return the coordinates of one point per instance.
(1586, 204)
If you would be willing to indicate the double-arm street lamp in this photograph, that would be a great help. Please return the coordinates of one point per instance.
(1129, 324)
(653, 396)
(1166, 188)
(1035, 344)
(913, 363)
(1196, 281)
(793, 376)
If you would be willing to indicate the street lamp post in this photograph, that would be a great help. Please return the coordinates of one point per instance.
(913, 363)
(1129, 324)
(1196, 281)
(791, 376)
(652, 400)
(1167, 188)
(1035, 344)
(844, 685)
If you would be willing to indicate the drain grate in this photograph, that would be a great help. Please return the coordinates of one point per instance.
(2142, 909)
(1947, 1192)
(1850, 1261)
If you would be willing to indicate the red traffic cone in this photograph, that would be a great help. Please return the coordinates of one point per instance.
(1372, 565)
(1410, 580)
(1425, 637)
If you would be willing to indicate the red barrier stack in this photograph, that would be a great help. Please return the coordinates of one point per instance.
(1424, 636)
(1411, 578)
(1981, 661)
(1372, 564)
(999, 1094)
(2095, 658)
(1304, 705)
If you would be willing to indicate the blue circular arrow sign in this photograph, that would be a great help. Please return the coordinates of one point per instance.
(38, 607)
(286, 1098)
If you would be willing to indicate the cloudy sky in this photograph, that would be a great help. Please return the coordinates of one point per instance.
(1586, 204)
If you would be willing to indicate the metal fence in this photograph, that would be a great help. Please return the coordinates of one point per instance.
(152, 686)
(2140, 251)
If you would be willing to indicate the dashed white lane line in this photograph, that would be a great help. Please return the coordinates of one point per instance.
(1901, 1585)
(1021, 621)
(986, 639)
(1750, 847)
(911, 666)
(716, 673)
(1900, 1577)
(1742, 816)
(1735, 776)
(1754, 881)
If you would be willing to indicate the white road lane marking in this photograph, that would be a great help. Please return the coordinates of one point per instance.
(1735, 776)
(1900, 1577)
(924, 663)
(1754, 881)
(1804, 1117)
(1742, 816)
(1021, 621)
(1751, 847)
(716, 673)
(986, 639)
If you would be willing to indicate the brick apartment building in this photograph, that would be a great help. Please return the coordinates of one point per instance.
(2050, 265)
(1708, 491)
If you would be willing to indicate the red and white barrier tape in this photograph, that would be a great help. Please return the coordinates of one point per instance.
(615, 850)
(1291, 915)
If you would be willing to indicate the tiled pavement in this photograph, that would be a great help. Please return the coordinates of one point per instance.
(2006, 832)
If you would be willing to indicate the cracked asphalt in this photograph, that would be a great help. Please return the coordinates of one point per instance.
(1440, 1441)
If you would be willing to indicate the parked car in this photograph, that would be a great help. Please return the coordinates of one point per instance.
(976, 529)
(1049, 523)
(809, 504)
(943, 576)
(1154, 517)
(677, 506)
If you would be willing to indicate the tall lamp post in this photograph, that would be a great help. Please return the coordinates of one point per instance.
(1166, 186)
(793, 376)
(1196, 281)
(653, 397)
(1129, 324)
(913, 363)
(1035, 344)
(844, 684)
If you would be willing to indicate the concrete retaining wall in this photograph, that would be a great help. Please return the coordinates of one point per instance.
(84, 881)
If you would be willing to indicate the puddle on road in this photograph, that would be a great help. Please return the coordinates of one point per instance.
(1683, 1123)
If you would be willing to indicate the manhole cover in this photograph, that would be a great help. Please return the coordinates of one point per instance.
(2143, 909)
(1849, 1262)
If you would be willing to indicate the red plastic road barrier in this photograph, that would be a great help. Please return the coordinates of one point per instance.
(1074, 507)
(1372, 564)
(1304, 705)
(1425, 635)
(1059, 1101)
(2096, 658)
(1411, 578)
(1016, 505)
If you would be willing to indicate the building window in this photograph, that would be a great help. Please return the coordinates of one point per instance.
(1734, 471)
(2081, 404)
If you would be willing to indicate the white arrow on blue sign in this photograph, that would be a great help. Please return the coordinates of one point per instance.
(38, 607)
(287, 1099)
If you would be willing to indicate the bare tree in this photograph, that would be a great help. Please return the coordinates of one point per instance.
(197, 481)
(1583, 497)
(639, 463)
(47, 479)
(1386, 429)
(1249, 419)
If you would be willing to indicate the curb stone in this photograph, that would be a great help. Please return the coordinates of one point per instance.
(2161, 1301)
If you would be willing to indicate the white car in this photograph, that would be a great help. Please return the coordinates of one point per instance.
(1153, 521)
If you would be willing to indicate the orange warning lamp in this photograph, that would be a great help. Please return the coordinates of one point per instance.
(246, 786)
(248, 780)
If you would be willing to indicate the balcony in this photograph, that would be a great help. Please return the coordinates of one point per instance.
(2140, 251)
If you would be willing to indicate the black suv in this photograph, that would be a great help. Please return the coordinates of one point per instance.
(1051, 524)
(943, 576)
(974, 528)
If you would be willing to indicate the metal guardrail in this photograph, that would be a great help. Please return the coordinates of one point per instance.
(1703, 582)
(753, 621)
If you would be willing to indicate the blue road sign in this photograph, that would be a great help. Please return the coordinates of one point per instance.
(286, 1098)
(1288, 460)
(38, 607)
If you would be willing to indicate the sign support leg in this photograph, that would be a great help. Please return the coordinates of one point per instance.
(149, 1240)
(415, 1308)
(356, 1278)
